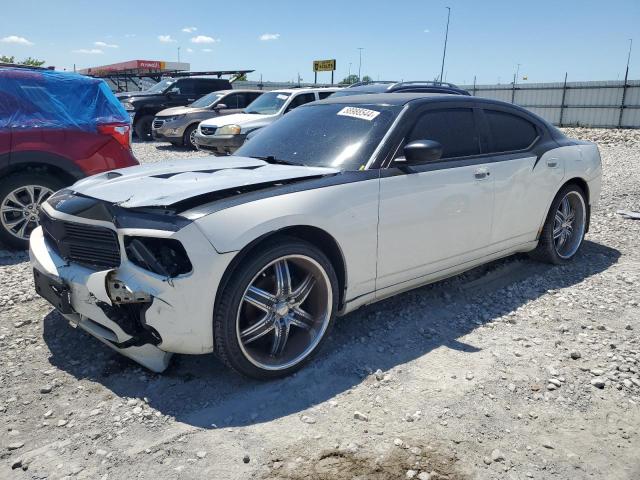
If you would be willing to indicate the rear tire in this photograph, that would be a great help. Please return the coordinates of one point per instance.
(189, 140)
(276, 309)
(143, 128)
(564, 228)
(20, 198)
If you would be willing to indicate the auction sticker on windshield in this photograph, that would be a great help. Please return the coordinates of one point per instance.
(361, 113)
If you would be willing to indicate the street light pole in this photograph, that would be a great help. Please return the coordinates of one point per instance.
(446, 36)
(178, 54)
(517, 72)
(360, 62)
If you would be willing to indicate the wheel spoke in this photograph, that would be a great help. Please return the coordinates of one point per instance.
(280, 337)
(7, 209)
(31, 191)
(12, 198)
(300, 318)
(566, 208)
(558, 231)
(259, 298)
(22, 230)
(301, 293)
(258, 329)
(283, 278)
(559, 218)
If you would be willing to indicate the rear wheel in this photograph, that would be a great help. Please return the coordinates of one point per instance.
(143, 127)
(20, 198)
(190, 137)
(564, 228)
(276, 310)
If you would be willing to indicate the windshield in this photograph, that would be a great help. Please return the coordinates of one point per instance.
(331, 135)
(161, 86)
(268, 103)
(207, 100)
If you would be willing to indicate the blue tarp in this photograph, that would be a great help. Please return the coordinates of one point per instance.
(56, 100)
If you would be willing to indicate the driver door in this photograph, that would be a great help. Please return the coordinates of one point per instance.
(438, 215)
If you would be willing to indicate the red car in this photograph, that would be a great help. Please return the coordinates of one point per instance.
(55, 128)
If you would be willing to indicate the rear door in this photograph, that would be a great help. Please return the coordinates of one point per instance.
(525, 182)
(187, 92)
(439, 215)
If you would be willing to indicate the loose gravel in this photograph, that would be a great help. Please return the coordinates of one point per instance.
(512, 370)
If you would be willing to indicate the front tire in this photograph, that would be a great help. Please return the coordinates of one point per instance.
(189, 140)
(20, 198)
(143, 128)
(276, 309)
(564, 228)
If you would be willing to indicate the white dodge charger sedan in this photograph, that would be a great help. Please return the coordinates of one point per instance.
(339, 204)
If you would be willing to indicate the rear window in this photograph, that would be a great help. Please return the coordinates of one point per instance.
(509, 132)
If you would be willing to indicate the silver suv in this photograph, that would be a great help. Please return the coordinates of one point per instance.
(178, 124)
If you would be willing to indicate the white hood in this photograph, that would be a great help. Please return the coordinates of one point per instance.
(166, 183)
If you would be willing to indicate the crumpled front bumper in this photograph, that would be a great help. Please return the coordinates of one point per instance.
(178, 319)
(219, 144)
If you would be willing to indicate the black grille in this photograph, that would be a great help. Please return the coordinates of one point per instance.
(89, 245)
(208, 130)
(158, 123)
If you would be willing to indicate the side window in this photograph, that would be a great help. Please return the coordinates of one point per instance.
(301, 100)
(232, 100)
(509, 132)
(323, 95)
(454, 129)
(204, 86)
(187, 86)
(244, 99)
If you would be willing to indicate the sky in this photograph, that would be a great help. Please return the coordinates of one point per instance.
(279, 39)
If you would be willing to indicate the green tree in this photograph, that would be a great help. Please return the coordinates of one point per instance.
(350, 79)
(367, 78)
(242, 78)
(33, 62)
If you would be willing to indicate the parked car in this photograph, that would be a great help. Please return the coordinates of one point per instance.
(55, 128)
(339, 204)
(178, 124)
(401, 87)
(170, 92)
(225, 135)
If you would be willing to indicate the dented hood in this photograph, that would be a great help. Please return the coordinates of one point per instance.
(166, 183)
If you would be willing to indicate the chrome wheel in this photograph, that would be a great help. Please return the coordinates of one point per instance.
(284, 312)
(569, 225)
(19, 210)
(192, 138)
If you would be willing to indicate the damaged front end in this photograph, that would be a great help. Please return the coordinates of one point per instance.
(126, 278)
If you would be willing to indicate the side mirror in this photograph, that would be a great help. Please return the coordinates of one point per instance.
(220, 106)
(420, 152)
(173, 91)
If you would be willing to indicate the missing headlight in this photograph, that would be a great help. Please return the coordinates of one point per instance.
(164, 256)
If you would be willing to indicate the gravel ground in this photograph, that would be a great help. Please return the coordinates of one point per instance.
(513, 370)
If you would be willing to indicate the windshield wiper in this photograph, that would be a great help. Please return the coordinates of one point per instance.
(274, 160)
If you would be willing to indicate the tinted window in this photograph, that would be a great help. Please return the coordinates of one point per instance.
(268, 103)
(233, 100)
(204, 86)
(186, 86)
(323, 95)
(509, 132)
(301, 100)
(455, 129)
(334, 135)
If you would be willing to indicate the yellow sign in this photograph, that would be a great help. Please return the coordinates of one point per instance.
(324, 65)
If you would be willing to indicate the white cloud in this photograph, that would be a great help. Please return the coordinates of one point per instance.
(165, 39)
(189, 50)
(189, 29)
(426, 30)
(265, 37)
(207, 50)
(105, 45)
(204, 39)
(90, 51)
(16, 39)
(129, 35)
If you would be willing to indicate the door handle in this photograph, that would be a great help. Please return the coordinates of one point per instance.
(481, 173)
(191, 99)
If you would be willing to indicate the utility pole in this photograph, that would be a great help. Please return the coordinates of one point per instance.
(625, 85)
(517, 71)
(446, 36)
(349, 70)
(178, 54)
(360, 62)
(629, 54)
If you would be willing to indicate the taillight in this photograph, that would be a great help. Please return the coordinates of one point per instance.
(121, 132)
